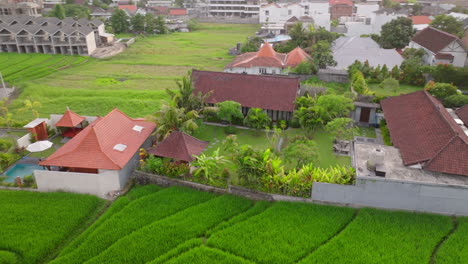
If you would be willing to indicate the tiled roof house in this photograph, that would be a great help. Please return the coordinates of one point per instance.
(266, 61)
(179, 146)
(275, 94)
(426, 134)
(440, 47)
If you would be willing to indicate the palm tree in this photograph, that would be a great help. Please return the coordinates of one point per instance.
(5, 113)
(170, 118)
(31, 105)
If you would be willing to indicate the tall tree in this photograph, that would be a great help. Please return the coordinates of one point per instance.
(322, 54)
(119, 21)
(150, 23)
(229, 111)
(448, 24)
(77, 11)
(171, 118)
(397, 33)
(341, 128)
(58, 12)
(138, 23)
(160, 25)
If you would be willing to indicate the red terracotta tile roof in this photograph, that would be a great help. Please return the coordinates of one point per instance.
(433, 39)
(341, 2)
(178, 12)
(70, 119)
(260, 91)
(268, 57)
(462, 113)
(420, 20)
(179, 146)
(425, 133)
(93, 148)
(132, 8)
(296, 56)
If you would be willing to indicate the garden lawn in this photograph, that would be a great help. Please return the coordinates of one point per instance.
(366, 132)
(404, 89)
(324, 142)
(134, 216)
(455, 249)
(46, 153)
(133, 81)
(34, 224)
(385, 237)
(284, 233)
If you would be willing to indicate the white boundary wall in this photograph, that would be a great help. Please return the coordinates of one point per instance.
(396, 194)
(24, 141)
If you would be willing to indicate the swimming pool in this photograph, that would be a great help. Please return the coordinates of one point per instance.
(21, 170)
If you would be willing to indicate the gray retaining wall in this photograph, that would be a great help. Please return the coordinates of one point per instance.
(395, 194)
(368, 192)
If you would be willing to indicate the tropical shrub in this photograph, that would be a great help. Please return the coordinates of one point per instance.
(390, 84)
(385, 132)
(456, 100)
(300, 151)
(5, 145)
(257, 118)
(210, 168)
(441, 90)
(359, 84)
(165, 167)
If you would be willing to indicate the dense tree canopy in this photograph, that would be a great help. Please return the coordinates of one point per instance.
(119, 21)
(448, 24)
(229, 111)
(397, 33)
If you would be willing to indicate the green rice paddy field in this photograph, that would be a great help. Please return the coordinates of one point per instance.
(151, 224)
(134, 81)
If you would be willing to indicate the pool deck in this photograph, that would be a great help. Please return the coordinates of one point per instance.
(27, 160)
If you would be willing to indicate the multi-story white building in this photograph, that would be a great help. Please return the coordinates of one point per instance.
(50, 35)
(153, 3)
(277, 14)
(234, 8)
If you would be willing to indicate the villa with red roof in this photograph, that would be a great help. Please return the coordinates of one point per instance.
(428, 135)
(267, 61)
(440, 47)
(70, 123)
(275, 94)
(99, 159)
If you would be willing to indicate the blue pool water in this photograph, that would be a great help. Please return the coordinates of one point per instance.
(21, 170)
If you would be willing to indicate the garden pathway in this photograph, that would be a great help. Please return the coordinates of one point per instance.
(379, 139)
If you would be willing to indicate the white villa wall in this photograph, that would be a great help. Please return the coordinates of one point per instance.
(24, 141)
(255, 70)
(366, 9)
(90, 43)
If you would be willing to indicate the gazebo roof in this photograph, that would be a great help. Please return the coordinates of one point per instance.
(70, 119)
(180, 146)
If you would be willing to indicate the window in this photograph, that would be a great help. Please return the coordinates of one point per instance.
(267, 13)
(289, 12)
(273, 71)
(262, 70)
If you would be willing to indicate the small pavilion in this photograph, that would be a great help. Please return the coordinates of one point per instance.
(38, 129)
(71, 122)
(179, 146)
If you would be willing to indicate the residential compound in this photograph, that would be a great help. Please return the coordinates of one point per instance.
(20, 7)
(51, 35)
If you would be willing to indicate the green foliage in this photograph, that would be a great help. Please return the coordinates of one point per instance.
(412, 53)
(447, 73)
(138, 23)
(209, 168)
(397, 33)
(395, 73)
(341, 128)
(390, 84)
(119, 21)
(170, 118)
(77, 11)
(7, 159)
(5, 145)
(132, 219)
(229, 111)
(454, 249)
(28, 181)
(385, 133)
(301, 151)
(160, 25)
(448, 24)
(455, 101)
(322, 54)
(257, 118)
(7, 257)
(252, 44)
(58, 12)
(388, 237)
(47, 219)
(359, 84)
(441, 90)
(334, 106)
(193, 24)
(305, 67)
(161, 236)
(270, 237)
(165, 167)
(411, 71)
(205, 254)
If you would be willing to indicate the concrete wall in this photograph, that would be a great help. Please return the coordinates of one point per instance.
(96, 184)
(395, 194)
(24, 141)
(339, 76)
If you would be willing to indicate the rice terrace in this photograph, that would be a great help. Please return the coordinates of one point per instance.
(151, 224)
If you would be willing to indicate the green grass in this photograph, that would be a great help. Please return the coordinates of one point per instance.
(455, 250)
(46, 153)
(207, 255)
(33, 224)
(385, 237)
(404, 89)
(158, 238)
(134, 81)
(134, 216)
(366, 132)
(283, 233)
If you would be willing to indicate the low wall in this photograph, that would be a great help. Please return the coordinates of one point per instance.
(97, 184)
(395, 194)
(328, 75)
(24, 141)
